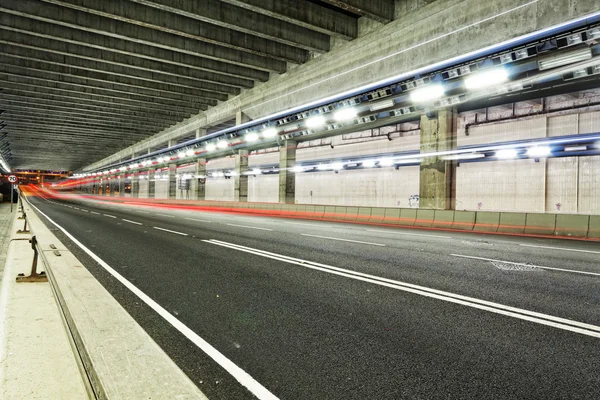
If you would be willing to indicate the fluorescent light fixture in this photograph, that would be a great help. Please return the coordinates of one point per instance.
(232, 173)
(564, 58)
(251, 137)
(181, 154)
(315, 122)
(386, 162)
(539, 151)
(427, 93)
(382, 105)
(269, 133)
(222, 144)
(409, 161)
(465, 156)
(576, 148)
(189, 152)
(368, 163)
(486, 79)
(506, 154)
(211, 147)
(256, 171)
(298, 169)
(337, 166)
(345, 114)
(323, 167)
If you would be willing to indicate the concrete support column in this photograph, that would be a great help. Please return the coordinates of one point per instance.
(172, 181)
(199, 183)
(121, 185)
(240, 189)
(200, 132)
(112, 182)
(437, 177)
(151, 183)
(287, 177)
(135, 185)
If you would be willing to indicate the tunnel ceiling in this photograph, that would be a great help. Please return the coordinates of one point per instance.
(82, 79)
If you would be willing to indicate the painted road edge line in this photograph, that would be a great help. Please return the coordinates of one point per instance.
(170, 231)
(250, 227)
(239, 374)
(343, 240)
(407, 233)
(131, 222)
(560, 248)
(550, 320)
(528, 265)
(107, 215)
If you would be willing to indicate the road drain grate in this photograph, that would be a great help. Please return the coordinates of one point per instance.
(508, 266)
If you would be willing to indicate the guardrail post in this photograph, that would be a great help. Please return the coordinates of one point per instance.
(24, 230)
(34, 276)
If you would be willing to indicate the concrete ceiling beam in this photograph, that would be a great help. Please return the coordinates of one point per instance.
(241, 20)
(95, 41)
(378, 10)
(308, 15)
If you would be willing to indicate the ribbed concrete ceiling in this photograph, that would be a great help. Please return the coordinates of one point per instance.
(81, 79)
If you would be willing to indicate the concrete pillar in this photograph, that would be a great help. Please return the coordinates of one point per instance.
(135, 185)
(121, 185)
(200, 132)
(112, 182)
(437, 177)
(151, 183)
(240, 189)
(241, 118)
(287, 177)
(172, 181)
(199, 183)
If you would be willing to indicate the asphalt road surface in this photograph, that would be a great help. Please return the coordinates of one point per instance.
(323, 310)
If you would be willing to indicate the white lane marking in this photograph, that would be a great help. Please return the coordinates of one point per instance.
(199, 220)
(239, 374)
(109, 216)
(168, 230)
(94, 212)
(77, 208)
(131, 222)
(143, 212)
(84, 210)
(305, 224)
(165, 215)
(408, 233)
(343, 240)
(527, 265)
(250, 227)
(532, 316)
(560, 248)
(67, 206)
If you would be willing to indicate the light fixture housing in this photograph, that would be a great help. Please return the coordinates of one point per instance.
(486, 78)
(251, 137)
(318, 121)
(539, 151)
(211, 147)
(298, 169)
(506, 154)
(269, 133)
(345, 114)
(427, 93)
(369, 163)
(189, 152)
(564, 58)
(386, 162)
(382, 105)
(222, 144)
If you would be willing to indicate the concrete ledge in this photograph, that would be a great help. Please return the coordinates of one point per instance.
(121, 359)
(512, 222)
(594, 228)
(572, 225)
(443, 219)
(464, 220)
(425, 218)
(486, 221)
(540, 224)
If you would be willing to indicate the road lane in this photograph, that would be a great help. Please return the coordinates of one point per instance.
(331, 338)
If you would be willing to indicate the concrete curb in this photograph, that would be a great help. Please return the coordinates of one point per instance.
(120, 358)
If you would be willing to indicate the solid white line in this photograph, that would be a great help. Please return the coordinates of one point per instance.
(239, 374)
(528, 265)
(343, 240)
(94, 212)
(84, 210)
(109, 216)
(250, 227)
(532, 316)
(168, 230)
(560, 248)
(165, 215)
(199, 220)
(132, 222)
(407, 233)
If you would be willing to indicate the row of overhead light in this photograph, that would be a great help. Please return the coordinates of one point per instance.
(422, 91)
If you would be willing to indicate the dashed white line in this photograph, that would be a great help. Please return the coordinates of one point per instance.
(131, 222)
(143, 212)
(560, 248)
(532, 316)
(527, 265)
(77, 208)
(165, 215)
(250, 227)
(343, 240)
(84, 210)
(199, 220)
(304, 224)
(109, 216)
(408, 233)
(168, 230)
(94, 212)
